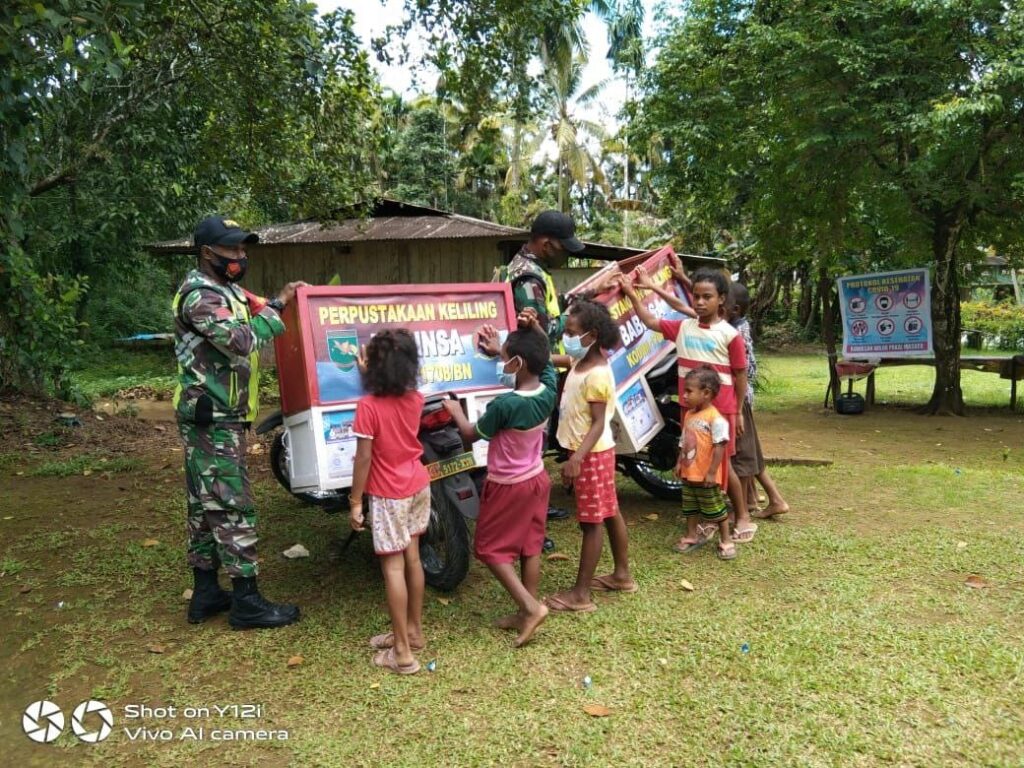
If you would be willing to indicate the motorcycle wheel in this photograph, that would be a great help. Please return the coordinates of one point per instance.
(654, 469)
(659, 483)
(444, 547)
(332, 501)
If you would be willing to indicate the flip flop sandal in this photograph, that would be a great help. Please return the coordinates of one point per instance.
(707, 530)
(691, 546)
(726, 551)
(744, 536)
(385, 659)
(558, 605)
(387, 640)
(605, 584)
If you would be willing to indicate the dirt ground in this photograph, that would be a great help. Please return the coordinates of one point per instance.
(49, 516)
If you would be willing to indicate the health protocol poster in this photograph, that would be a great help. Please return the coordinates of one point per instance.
(886, 314)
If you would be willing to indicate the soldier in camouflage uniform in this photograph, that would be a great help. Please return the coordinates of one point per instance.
(552, 240)
(218, 331)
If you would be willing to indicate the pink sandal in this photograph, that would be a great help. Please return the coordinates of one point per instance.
(746, 535)
(386, 660)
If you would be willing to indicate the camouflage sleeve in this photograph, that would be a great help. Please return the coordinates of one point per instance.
(529, 292)
(209, 314)
(557, 327)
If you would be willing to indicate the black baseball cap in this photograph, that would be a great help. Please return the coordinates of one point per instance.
(559, 226)
(216, 230)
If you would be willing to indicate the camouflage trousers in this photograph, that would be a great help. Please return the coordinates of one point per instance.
(221, 515)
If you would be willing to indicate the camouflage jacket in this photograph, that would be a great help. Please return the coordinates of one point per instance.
(217, 341)
(532, 286)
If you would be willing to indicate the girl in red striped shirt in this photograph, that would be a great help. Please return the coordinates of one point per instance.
(709, 340)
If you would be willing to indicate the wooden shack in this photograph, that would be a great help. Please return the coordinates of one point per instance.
(396, 243)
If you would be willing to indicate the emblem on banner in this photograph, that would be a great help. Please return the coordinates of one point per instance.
(343, 347)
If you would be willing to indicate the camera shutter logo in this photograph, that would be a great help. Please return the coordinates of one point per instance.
(87, 708)
(42, 721)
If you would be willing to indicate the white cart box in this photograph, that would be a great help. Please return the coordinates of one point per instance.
(637, 417)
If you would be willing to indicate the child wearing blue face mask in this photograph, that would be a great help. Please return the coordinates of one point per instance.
(584, 429)
(514, 503)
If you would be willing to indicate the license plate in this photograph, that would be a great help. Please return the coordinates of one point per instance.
(451, 466)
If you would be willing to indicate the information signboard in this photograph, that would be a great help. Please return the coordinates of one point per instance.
(886, 314)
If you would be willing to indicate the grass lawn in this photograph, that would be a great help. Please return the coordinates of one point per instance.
(126, 369)
(798, 381)
(843, 635)
(787, 380)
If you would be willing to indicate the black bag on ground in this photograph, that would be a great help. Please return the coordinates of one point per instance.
(849, 404)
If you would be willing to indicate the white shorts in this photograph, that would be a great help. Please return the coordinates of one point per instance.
(396, 522)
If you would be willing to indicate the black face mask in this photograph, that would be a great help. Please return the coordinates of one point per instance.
(231, 270)
(555, 257)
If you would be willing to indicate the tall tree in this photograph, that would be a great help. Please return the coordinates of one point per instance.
(125, 121)
(882, 128)
(484, 49)
(564, 96)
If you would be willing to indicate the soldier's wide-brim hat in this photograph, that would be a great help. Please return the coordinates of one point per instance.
(216, 230)
(559, 226)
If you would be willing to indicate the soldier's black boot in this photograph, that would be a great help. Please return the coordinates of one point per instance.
(250, 610)
(208, 598)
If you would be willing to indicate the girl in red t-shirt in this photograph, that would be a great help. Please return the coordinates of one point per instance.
(388, 469)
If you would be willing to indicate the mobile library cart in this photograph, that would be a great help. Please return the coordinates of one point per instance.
(320, 380)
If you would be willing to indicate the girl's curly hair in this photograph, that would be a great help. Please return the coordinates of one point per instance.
(594, 318)
(392, 363)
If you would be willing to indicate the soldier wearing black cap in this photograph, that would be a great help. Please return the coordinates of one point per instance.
(218, 331)
(552, 240)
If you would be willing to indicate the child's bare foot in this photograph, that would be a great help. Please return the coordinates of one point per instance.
(512, 621)
(530, 623)
(772, 510)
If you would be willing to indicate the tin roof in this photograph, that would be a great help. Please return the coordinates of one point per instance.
(391, 220)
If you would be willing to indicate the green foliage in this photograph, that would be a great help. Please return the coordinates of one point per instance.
(1001, 325)
(48, 439)
(8, 460)
(125, 122)
(484, 50)
(86, 463)
(855, 135)
(107, 372)
(423, 164)
(11, 567)
(38, 327)
(780, 335)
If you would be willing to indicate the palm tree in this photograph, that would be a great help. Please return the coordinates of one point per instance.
(625, 20)
(576, 163)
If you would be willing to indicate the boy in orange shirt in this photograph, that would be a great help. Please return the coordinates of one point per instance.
(700, 467)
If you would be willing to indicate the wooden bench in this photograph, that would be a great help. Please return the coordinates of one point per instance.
(1011, 368)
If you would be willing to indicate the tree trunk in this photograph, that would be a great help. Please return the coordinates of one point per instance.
(787, 292)
(815, 318)
(947, 396)
(766, 291)
(829, 305)
(517, 140)
(806, 305)
(561, 204)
